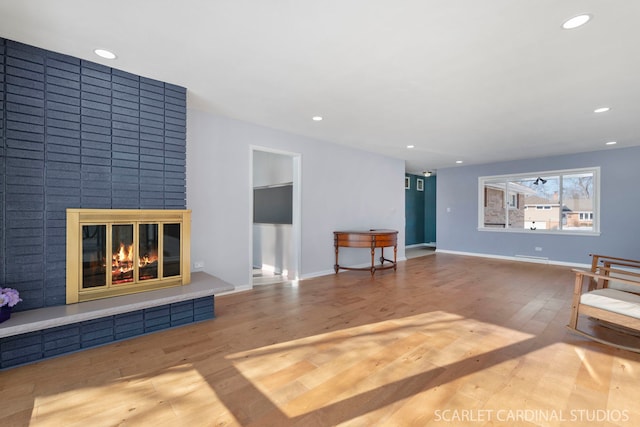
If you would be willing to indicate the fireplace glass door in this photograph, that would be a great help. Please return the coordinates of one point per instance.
(94, 254)
(139, 253)
(122, 254)
(148, 250)
(113, 252)
(171, 252)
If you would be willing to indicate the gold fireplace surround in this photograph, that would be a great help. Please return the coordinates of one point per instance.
(114, 252)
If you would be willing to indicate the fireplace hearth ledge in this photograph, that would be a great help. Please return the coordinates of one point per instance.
(202, 285)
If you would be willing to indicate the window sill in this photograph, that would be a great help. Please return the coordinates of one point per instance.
(524, 231)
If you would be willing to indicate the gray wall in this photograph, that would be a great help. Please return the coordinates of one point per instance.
(342, 188)
(75, 134)
(457, 190)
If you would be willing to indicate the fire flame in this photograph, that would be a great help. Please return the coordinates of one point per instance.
(122, 260)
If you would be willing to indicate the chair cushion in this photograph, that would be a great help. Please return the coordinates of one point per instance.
(613, 300)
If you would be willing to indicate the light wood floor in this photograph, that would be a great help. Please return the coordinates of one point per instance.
(445, 340)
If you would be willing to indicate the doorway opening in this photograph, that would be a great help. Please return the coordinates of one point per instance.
(275, 223)
(420, 214)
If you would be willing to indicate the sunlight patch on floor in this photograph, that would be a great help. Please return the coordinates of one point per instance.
(152, 398)
(378, 358)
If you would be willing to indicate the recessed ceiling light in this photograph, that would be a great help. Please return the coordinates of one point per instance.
(411, 146)
(459, 161)
(317, 118)
(602, 110)
(576, 21)
(612, 142)
(106, 54)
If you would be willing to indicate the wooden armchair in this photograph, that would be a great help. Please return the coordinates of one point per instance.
(605, 303)
(614, 268)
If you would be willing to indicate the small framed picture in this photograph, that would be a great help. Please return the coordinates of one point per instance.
(407, 183)
(420, 184)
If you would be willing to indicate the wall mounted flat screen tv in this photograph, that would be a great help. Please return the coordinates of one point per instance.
(273, 205)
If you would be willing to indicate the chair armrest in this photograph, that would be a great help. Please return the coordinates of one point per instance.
(597, 276)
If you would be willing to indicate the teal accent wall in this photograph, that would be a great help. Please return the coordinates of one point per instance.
(414, 212)
(420, 210)
(430, 209)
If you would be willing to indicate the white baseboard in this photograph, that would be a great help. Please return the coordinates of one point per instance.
(317, 274)
(421, 245)
(521, 258)
(237, 289)
(327, 272)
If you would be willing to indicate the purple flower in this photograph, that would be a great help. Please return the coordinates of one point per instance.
(9, 297)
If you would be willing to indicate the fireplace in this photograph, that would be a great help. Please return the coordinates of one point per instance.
(114, 252)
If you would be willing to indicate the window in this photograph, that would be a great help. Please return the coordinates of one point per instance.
(550, 202)
(586, 216)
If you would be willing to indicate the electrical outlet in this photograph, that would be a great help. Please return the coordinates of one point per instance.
(538, 249)
(198, 264)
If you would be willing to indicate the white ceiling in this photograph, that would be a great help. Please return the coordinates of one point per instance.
(472, 80)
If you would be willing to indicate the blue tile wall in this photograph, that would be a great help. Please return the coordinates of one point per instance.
(2, 157)
(20, 349)
(76, 134)
(203, 309)
(26, 348)
(128, 325)
(157, 318)
(60, 340)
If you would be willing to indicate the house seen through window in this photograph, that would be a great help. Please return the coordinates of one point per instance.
(552, 201)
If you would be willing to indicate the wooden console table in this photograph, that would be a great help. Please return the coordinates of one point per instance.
(367, 239)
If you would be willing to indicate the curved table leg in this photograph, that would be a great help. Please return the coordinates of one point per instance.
(373, 254)
(395, 259)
